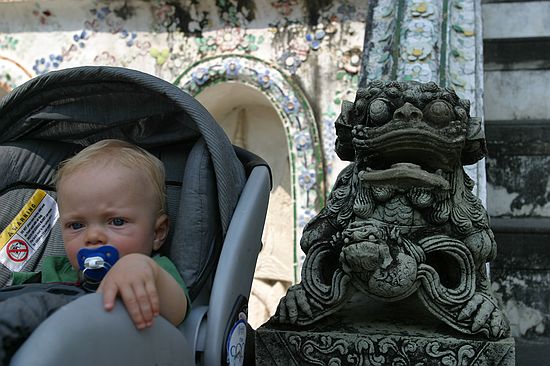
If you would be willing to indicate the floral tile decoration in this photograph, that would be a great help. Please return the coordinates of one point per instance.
(305, 61)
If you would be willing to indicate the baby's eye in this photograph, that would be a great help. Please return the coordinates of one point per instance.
(75, 225)
(117, 221)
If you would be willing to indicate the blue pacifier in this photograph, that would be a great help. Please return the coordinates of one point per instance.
(94, 263)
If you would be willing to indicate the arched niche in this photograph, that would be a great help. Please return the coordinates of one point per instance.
(251, 122)
(307, 179)
(12, 74)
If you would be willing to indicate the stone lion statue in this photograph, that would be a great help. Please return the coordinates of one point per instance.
(402, 218)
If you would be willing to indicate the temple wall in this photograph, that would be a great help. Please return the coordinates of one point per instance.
(304, 58)
(297, 59)
(517, 127)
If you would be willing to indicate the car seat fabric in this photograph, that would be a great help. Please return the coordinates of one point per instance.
(24, 308)
(196, 228)
(194, 211)
(85, 104)
(26, 166)
(54, 115)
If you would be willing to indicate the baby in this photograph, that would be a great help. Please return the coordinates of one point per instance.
(113, 192)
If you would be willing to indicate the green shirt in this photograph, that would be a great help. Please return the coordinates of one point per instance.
(59, 269)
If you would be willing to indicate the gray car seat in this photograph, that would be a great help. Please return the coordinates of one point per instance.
(217, 200)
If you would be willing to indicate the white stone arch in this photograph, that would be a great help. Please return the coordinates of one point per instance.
(307, 176)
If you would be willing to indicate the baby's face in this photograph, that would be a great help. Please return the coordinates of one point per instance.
(109, 204)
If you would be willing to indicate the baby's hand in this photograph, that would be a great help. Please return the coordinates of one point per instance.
(134, 278)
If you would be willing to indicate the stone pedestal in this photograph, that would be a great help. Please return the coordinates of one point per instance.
(366, 332)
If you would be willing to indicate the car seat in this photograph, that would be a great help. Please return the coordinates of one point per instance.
(217, 198)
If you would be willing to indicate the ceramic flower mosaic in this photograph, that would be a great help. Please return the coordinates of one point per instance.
(306, 62)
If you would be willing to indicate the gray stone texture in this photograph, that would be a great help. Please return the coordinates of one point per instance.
(517, 95)
(402, 218)
(516, 54)
(371, 333)
(517, 168)
(521, 278)
(515, 20)
(517, 119)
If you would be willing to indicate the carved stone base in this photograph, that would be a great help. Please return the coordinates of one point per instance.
(378, 334)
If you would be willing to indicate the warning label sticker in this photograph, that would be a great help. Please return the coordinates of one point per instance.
(28, 230)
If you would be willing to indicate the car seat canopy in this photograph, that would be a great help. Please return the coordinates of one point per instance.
(86, 104)
(96, 103)
(51, 117)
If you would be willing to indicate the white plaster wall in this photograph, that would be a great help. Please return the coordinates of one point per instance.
(516, 20)
(251, 121)
(517, 95)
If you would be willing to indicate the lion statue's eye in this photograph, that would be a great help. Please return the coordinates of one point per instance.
(379, 112)
(439, 113)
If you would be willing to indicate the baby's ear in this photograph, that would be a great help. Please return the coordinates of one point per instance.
(161, 231)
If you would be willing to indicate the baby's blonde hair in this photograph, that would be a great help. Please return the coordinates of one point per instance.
(122, 152)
